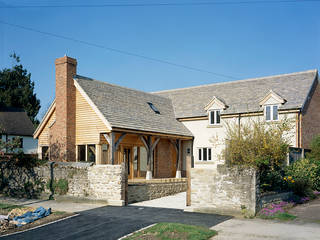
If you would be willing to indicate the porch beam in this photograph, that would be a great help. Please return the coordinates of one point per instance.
(144, 141)
(155, 143)
(106, 136)
(119, 140)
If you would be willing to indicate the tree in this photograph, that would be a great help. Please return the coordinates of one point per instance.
(17, 89)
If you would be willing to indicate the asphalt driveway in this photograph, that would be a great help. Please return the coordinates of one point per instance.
(114, 222)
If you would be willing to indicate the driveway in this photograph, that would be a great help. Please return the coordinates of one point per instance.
(176, 201)
(114, 222)
(258, 229)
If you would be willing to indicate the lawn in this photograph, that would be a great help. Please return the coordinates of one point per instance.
(168, 231)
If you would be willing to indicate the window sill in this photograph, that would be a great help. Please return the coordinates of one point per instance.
(215, 126)
(205, 162)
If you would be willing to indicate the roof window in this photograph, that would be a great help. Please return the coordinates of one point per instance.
(153, 108)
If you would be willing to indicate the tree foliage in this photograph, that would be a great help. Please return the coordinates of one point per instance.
(257, 144)
(17, 89)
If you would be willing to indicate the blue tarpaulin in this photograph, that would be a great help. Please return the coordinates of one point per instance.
(30, 217)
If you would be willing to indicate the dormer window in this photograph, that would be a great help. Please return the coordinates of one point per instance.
(271, 112)
(214, 117)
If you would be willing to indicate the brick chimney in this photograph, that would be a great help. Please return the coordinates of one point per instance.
(62, 133)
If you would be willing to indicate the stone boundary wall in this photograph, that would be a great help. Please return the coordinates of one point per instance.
(143, 190)
(79, 180)
(273, 198)
(224, 190)
(88, 181)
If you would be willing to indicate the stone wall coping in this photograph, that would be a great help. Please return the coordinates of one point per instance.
(73, 164)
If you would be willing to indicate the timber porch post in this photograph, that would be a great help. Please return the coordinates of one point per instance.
(113, 145)
(147, 142)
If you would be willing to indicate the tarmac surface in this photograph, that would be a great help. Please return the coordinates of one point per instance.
(114, 222)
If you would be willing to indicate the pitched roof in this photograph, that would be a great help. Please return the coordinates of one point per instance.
(15, 121)
(242, 96)
(128, 108)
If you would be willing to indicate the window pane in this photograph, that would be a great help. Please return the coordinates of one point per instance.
(91, 153)
(212, 117)
(199, 153)
(204, 154)
(218, 117)
(135, 158)
(268, 114)
(209, 154)
(45, 153)
(143, 159)
(275, 112)
(81, 152)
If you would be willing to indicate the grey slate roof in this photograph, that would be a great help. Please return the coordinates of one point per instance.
(242, 96)
(15, 121)
(129, 109)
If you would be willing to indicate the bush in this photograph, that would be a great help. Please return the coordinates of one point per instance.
(61, 186)
(257, 144)
(315, 149)
(271, 181)
(304, 177)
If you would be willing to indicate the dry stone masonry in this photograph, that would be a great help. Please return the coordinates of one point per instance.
(224, 190)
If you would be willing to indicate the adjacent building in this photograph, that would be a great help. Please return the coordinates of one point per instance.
(15, 123)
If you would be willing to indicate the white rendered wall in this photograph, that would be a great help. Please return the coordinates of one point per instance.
(30, 145)
(214, 137)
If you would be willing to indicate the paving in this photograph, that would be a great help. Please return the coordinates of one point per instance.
(114, 222)
(177, 201)
(258, 229)
(308, 212)
(66, 206)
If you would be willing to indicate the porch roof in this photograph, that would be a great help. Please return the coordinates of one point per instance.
(127, 108)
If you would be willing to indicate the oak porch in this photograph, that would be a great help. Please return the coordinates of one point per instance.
(147, 155)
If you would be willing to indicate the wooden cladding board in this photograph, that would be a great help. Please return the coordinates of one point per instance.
(44, 136)
(88, 123)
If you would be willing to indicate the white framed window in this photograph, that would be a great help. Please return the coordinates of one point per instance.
(214, 117)
(271, 112)
(204, 154)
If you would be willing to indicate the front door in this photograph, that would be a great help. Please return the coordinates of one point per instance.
(127, 157)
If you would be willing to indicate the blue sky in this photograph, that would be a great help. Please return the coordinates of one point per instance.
(243, 41)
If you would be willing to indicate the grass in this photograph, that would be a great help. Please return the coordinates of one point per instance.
(9, 207)
(285, 216)
(171, 231)
(280, 216)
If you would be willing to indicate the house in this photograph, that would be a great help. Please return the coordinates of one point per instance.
(206, 110)
(93, 121)
(153, 133)
(14, 122)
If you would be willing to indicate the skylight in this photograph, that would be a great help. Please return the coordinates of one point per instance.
(153, 108)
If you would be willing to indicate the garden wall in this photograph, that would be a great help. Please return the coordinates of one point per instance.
(156, 188)
(80, 180)
(224, 190)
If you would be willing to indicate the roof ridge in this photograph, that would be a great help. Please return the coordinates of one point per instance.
(116, 85)
(236, 81)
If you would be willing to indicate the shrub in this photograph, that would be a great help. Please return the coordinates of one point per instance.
(304, 176)
(273, 181)
(257, 144)
(61, 186)
(315, 149)
(260, 145)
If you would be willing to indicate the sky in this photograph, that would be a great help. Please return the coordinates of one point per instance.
(237, 40)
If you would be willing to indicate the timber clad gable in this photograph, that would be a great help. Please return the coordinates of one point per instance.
(88, 124)
(44, 136)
